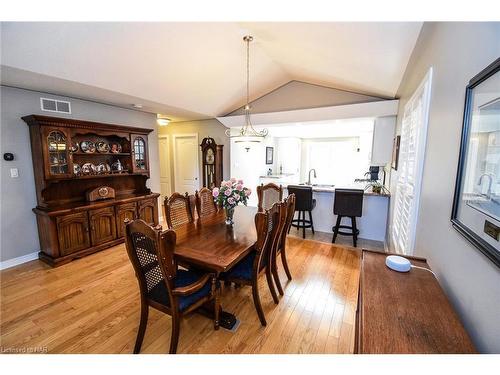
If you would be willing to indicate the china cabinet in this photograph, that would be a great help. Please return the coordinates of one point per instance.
(89, 177)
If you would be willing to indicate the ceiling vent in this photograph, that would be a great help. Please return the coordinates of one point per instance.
(52, 105)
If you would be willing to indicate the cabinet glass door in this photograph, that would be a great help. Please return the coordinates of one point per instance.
(57, 147)
(139, 154)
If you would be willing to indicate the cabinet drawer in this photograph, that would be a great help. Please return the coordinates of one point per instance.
(102, 225)
(73, 233)
(123, 212)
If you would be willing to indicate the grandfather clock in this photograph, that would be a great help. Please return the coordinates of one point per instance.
(212, 162)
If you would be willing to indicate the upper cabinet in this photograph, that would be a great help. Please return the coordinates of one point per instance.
(288, 155)
(383, 136)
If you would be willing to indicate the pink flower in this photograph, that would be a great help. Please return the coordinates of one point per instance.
(227, 192)
(248, 192)
(229, 184)
(236, 197)
(223, 183)
(231, 201)
(233, 180)
(240, 182)
(239, 187)
(215, 192)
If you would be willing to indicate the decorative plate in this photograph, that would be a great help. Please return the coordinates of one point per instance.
(77, 169)
(88, 147)
(102, 147)
(88, 168)
(116, 148)
(74, 147)
(103, 168)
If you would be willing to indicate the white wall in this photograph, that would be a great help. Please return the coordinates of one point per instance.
(249, 165)
(19, 234)
(457, 52)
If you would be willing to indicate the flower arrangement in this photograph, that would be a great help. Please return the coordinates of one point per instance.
(229, 195)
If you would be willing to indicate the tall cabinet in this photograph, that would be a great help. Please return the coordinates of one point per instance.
(90, 177)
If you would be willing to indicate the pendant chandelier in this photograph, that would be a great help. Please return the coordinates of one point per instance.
(248, 133)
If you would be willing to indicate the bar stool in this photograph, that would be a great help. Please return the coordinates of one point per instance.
(348, 203)
(303, 202)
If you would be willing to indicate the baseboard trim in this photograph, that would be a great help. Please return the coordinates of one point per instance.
(19, 260)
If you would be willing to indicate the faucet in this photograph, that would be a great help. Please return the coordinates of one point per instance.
(309, 179)
(490, 181)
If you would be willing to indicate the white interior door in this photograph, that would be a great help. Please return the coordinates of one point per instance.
(186, 163)
(411, 164)
(164, 150)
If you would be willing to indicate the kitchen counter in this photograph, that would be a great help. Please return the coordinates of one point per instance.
(331, 189)
(372, 225)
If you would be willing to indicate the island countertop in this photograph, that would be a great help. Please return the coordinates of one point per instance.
(331, 189)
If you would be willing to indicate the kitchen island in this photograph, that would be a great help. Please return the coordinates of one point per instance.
(372, 225)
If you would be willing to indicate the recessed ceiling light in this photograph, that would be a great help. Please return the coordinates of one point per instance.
(137, 105)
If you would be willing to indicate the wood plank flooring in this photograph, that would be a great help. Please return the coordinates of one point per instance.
(92, 306)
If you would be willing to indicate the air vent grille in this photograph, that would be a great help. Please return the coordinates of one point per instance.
(52, 105)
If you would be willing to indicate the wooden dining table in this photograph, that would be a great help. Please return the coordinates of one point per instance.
(209, 243)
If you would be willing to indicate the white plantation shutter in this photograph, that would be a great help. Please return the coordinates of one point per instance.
(410, 168)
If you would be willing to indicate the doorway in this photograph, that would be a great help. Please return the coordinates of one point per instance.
(186, 163)
(411, 167)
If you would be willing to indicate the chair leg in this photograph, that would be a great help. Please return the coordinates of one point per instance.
(303, 224)
(142, 327)
(258, 306)
(298, 221)
(174, 339)
(216, 292)
(276, 277)
(311, 219)
(336, 229)
(354, 231)
(269, 279)
(285, 263)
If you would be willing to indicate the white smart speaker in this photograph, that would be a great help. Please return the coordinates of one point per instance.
(397, 263)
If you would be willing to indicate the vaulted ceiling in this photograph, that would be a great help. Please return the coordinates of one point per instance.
(197, 70)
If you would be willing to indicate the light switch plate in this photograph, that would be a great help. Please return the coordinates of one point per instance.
(14, 173)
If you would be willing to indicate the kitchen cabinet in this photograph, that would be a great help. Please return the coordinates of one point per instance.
(289, 155)
(383, 136)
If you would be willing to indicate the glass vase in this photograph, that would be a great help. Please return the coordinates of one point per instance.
(229, 215)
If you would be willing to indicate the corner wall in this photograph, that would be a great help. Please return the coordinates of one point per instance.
(19, 234)
(457, 52)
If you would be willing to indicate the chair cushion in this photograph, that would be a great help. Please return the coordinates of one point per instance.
(183, 278)
(244, 269)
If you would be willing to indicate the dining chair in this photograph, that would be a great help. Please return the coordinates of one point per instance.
(280, 247)
(247, 271)
(268, 195)
(178, 210)
(162, 286)
(205, 204)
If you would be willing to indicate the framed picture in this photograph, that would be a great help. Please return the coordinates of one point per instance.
(395, 152)
(269, 155)
(476, 204)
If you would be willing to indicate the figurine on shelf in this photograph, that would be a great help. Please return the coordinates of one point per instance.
(117, 166)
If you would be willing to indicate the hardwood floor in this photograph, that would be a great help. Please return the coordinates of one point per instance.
(340, 240)
(92, 306)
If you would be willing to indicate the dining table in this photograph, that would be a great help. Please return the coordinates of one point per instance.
(210, 244)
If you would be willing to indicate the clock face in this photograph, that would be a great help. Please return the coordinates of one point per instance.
(209, 157)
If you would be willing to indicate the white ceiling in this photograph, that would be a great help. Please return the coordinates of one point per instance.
(197, 70)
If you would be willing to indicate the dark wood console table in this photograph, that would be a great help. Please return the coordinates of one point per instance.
(405, 312)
